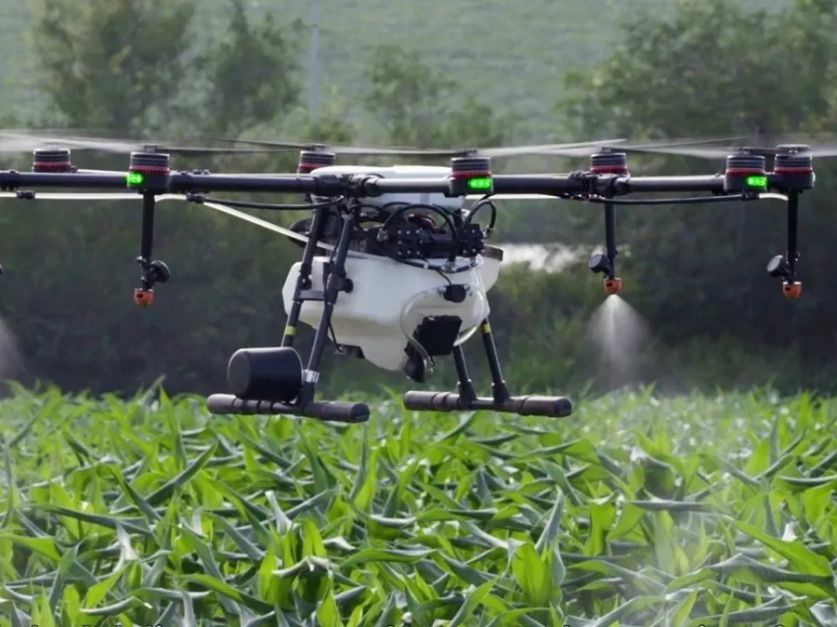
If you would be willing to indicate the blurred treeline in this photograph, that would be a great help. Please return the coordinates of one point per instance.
(696, 272)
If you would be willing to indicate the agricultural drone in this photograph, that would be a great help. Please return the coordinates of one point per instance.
(395, 269)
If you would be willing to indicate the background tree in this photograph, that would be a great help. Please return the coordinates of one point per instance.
(114, 65)
(712, 68)
(251, 73)
(416, 106)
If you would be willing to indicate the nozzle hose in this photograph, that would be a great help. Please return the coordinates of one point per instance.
(793, 223)
(610, 238)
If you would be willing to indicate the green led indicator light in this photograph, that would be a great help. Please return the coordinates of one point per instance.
(757, 181)
(481, 184)
(134, 178)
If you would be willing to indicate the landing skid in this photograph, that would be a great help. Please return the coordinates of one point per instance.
(330, 411)
(552, 406)
(501, 400)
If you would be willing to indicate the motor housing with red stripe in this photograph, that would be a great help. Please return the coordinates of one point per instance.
(463, 170)
(793, 167)
(149, 172)
(740, 168)
(310, 160)
(609, 163)
(52, 160)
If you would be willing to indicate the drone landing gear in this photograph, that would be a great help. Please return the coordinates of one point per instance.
(466, 397)
(329, 411)
(272, 380)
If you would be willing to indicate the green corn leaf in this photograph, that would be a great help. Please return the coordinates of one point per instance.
(802, 558)
(45, 547)
(223, 588)
(164, 492)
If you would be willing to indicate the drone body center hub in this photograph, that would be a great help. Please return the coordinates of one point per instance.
(413, 296)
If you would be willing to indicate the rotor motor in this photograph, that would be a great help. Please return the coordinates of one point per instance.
(470, 175)
(149, 172)
(310, 160)
(609, 163)
(742, 171)
(51, 160)
(795, 167)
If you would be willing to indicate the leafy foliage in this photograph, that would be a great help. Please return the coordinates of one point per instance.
(417, 106)
(252, 75)
(114, 65)
(634, 510)
(712, 69)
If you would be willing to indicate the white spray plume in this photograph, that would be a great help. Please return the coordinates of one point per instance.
(618, 333)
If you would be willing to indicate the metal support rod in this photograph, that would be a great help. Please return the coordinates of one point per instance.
(464, 385)
(147, 226)
(303, 281)
(335, 282)
(146, 239)
(499, 389)
(554, 406)
(793, 217)
(361, 186)
(610, 237)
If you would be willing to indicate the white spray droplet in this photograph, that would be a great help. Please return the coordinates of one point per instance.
(619, 334)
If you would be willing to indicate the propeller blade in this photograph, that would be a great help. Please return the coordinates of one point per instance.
(491, 152)
(570, 149)
(18, 142)
(27, 142)
(670, 146)
(346, 150)
(12, 140)
(720, 148)
(500, 151)
(705, 152)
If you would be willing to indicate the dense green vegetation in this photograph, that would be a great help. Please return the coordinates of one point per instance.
(637, 510)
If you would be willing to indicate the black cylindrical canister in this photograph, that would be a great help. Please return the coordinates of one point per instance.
(271, 374)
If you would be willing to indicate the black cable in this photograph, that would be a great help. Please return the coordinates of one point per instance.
(444, 276)
(433, 208)
(413, 206)
(249, 204)
(402, 208)
(482, 202)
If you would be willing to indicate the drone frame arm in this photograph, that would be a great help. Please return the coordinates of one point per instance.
(360, 186)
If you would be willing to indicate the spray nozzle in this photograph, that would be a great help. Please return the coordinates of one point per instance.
(613, 285)
(601, 263)
(779, 267)
(792, 289)
(605, 262)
